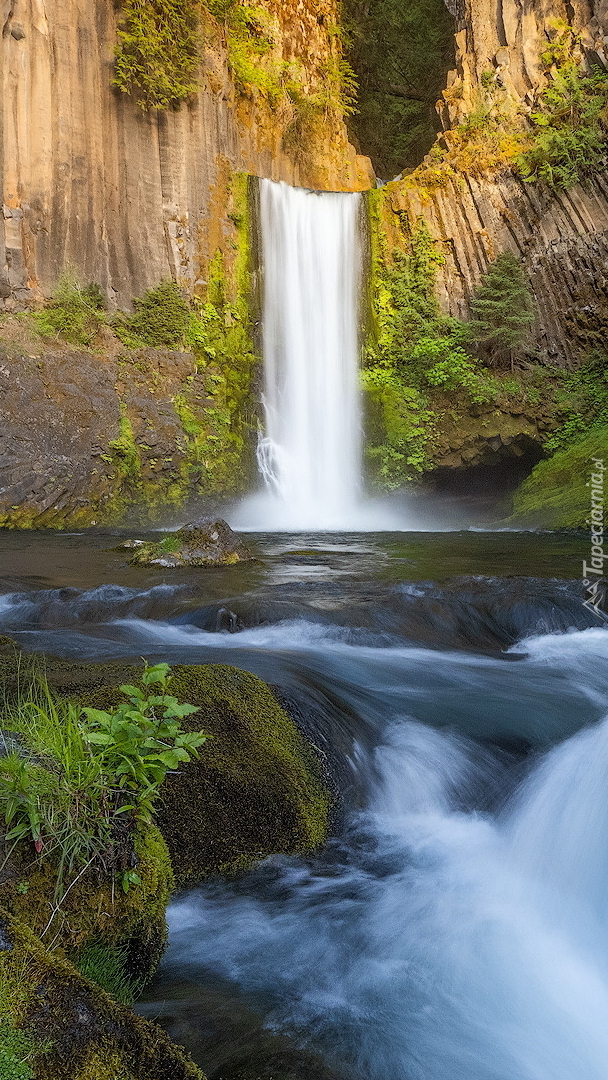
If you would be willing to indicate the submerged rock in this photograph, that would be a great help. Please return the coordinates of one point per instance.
(207, 542)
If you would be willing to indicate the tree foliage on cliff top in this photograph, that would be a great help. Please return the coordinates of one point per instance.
(401, 53)
(157, 55)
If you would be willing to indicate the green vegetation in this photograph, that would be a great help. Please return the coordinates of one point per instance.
(107, 965)
(583, 397)
(17, 1050)
(157, 55)
(556, 493)
(161, 319)
(411, 349)
(77, 1030)
(211, 452)
(125, 453)
(95, 775)
(258, 788)
(423, 369)
(571, 123)
(502, 312)
(401, 54)
(74, 312)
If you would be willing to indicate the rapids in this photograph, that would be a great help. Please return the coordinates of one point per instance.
(456, 925)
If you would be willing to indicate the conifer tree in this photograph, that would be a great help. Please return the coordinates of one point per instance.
(502, 312)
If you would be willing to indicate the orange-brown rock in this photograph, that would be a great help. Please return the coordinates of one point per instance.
(125, 197)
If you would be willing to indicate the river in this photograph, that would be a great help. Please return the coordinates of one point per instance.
(455, 927)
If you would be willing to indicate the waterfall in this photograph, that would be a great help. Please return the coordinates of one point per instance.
(309, 454)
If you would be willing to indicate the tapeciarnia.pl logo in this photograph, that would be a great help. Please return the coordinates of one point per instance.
(593, 571)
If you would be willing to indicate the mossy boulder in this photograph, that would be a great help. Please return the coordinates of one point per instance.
(82, 1033)
(256, 788)
(208, 542)
(93, 910)
(556, 494)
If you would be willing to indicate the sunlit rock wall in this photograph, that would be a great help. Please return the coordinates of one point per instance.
(507, 37)
(128, 198)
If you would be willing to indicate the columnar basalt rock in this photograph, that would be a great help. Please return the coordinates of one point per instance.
(508, 38)
(130, 197)
(561, 238)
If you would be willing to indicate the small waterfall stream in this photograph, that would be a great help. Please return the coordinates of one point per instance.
(310, 452)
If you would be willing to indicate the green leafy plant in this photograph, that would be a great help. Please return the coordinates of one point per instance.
(583, 395)
(74, 313)
(502, 312)
(93, 774)
(399, 426)
(157, 55)
(161, 318)
(571, 122)
(453, 368)
(139, 742)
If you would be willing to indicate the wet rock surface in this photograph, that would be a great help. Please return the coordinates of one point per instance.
(206, 542)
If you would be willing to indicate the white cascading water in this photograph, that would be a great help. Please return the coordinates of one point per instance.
(310, 452)
(451, 944)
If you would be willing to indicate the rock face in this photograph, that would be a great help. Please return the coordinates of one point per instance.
(507, 38)
(130, 198)
(562, 239)
(84, 435)
(487, 435)
(208, 542)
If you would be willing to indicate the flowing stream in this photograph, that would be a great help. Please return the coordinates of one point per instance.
(456, 925)
(310, 451)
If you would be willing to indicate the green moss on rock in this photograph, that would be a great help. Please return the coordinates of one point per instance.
(82, 1032)
(556, 493)
(93, 910)
(256, 788)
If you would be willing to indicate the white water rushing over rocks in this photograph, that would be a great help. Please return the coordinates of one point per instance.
(309, 455)
(441, 942)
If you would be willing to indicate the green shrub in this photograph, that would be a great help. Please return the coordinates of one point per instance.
(404, 305)
(161, 318)
(74, 312)
(450, 367)
(157, 55)
(502, 312)
(220, 334)
(583, 396)
(399, 426)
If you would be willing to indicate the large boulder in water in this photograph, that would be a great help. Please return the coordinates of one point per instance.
(206, 542)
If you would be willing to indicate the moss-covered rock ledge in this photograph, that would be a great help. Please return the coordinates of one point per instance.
(69, 969)
(557, 494)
